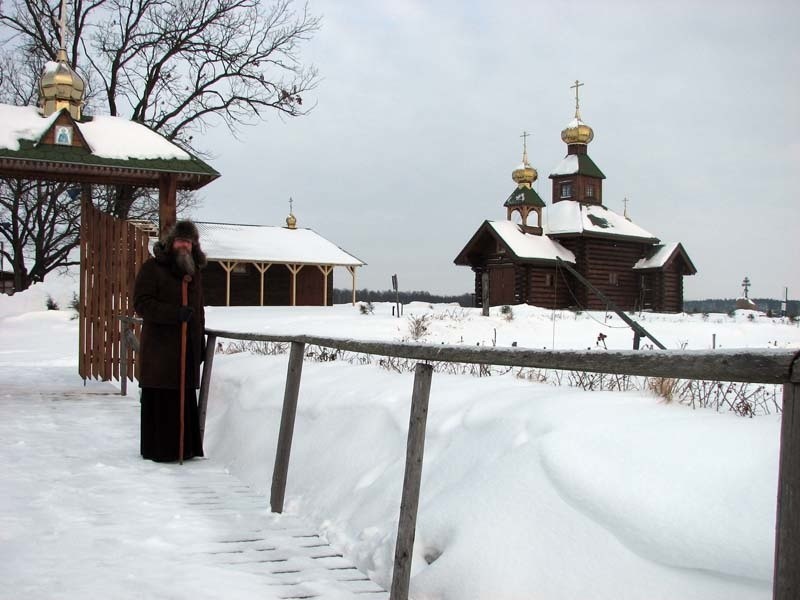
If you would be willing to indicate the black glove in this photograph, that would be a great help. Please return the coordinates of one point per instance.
(185, 314)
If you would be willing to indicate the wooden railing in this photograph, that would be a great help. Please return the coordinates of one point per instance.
(751, 366)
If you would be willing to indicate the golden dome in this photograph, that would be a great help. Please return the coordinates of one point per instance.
(61, 87)
(291, 221)
(524, 175)
(577, 132)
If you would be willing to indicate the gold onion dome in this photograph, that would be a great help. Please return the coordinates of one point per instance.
(524, 175)
(577, 132)
(291, 221)
(61, 87)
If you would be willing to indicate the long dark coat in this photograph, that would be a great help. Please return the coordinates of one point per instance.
(156, 298)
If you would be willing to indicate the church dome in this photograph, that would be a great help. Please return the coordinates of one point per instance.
(291, 221)
(525, 174)
(577, 132)
(61, 87)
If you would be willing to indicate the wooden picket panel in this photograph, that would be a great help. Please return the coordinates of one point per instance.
(112, 251)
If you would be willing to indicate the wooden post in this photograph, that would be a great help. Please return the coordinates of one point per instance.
(229, 266)
(326, 270)
(262, 268)
(167, 206)
(290, 394)
(205, 382)
(786, 580)
(294, 270)
(401, 576)
(485, 293)
(123, 364)
(353, 274)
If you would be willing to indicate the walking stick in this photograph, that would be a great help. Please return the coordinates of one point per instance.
(184, 302)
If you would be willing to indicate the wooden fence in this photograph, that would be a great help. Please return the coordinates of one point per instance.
(752, 366)
(749, 366)
(112, 250)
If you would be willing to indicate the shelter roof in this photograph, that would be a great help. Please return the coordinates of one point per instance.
(662, 254)
(103, 149)
(568, 217)
(271, 244)
(524, 246)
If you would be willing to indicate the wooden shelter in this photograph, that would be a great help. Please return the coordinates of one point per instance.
(256, 265)
(516, 258)
(56, 142)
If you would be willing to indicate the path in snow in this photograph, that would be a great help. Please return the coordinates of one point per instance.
(82, 515)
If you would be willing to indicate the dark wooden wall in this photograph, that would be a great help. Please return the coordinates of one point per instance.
(245, 287)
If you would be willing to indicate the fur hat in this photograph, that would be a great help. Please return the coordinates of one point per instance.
(185, 230)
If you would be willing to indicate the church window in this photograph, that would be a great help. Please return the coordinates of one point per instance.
(548, 280)
(613, 278)
(566, 189)
(589, 190)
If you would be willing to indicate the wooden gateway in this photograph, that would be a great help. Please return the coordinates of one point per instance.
(517, 258)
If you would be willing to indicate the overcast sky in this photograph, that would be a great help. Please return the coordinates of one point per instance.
(420, 108)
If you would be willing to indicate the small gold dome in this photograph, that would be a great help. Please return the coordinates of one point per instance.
(577, 132)
(61, 87)
(291, 221)
(524, 175)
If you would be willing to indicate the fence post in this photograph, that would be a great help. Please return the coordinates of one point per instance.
(786, 579)
(205, 382)
(123, 358)
(406, 530)
(290, 394)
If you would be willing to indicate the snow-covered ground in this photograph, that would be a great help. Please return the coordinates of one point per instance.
(529, 490)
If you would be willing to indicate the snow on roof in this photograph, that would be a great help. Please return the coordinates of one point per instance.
(568, 166)
(108, 137)
(568, 216)
(115, 137)
(659, 257)
(262, 243)
(22, 123)
(528, 245)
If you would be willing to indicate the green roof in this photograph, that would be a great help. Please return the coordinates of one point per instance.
(577, 164)
(524, 196)
(28, 150)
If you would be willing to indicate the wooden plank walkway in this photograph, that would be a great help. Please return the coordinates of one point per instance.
(79, 494)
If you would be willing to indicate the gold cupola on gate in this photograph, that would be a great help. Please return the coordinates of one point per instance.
(60, 86)
(577, 132)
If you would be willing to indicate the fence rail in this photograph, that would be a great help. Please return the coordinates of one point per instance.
(749, 366)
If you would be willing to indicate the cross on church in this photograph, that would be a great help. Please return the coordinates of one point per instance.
(746, 286)
(577, 102)
(290, 205)
(524, 137)
(63, 24)
(625, 210)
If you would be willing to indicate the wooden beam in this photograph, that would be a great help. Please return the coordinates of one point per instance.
(291, 392)
(205, 382)
(262, 268)
(294, 270)
(415, 448)
(229, 266)
(353, 274)
(786, 579)
(326, 270)
(167, 203)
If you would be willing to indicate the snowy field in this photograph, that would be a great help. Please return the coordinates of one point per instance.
(529, 490)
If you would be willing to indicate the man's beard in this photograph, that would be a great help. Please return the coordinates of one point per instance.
(185, 262)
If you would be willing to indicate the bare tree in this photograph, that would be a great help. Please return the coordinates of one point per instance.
(177, 66)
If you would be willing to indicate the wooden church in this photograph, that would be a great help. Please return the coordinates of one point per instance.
(519, 258)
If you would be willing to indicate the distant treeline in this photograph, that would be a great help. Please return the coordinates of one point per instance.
(724, 305)
(365, 295)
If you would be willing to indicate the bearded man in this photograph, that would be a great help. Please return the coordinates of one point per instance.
(157, 299)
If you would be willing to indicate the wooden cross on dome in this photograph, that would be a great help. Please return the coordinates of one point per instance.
(746, 286)
(577, 85)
